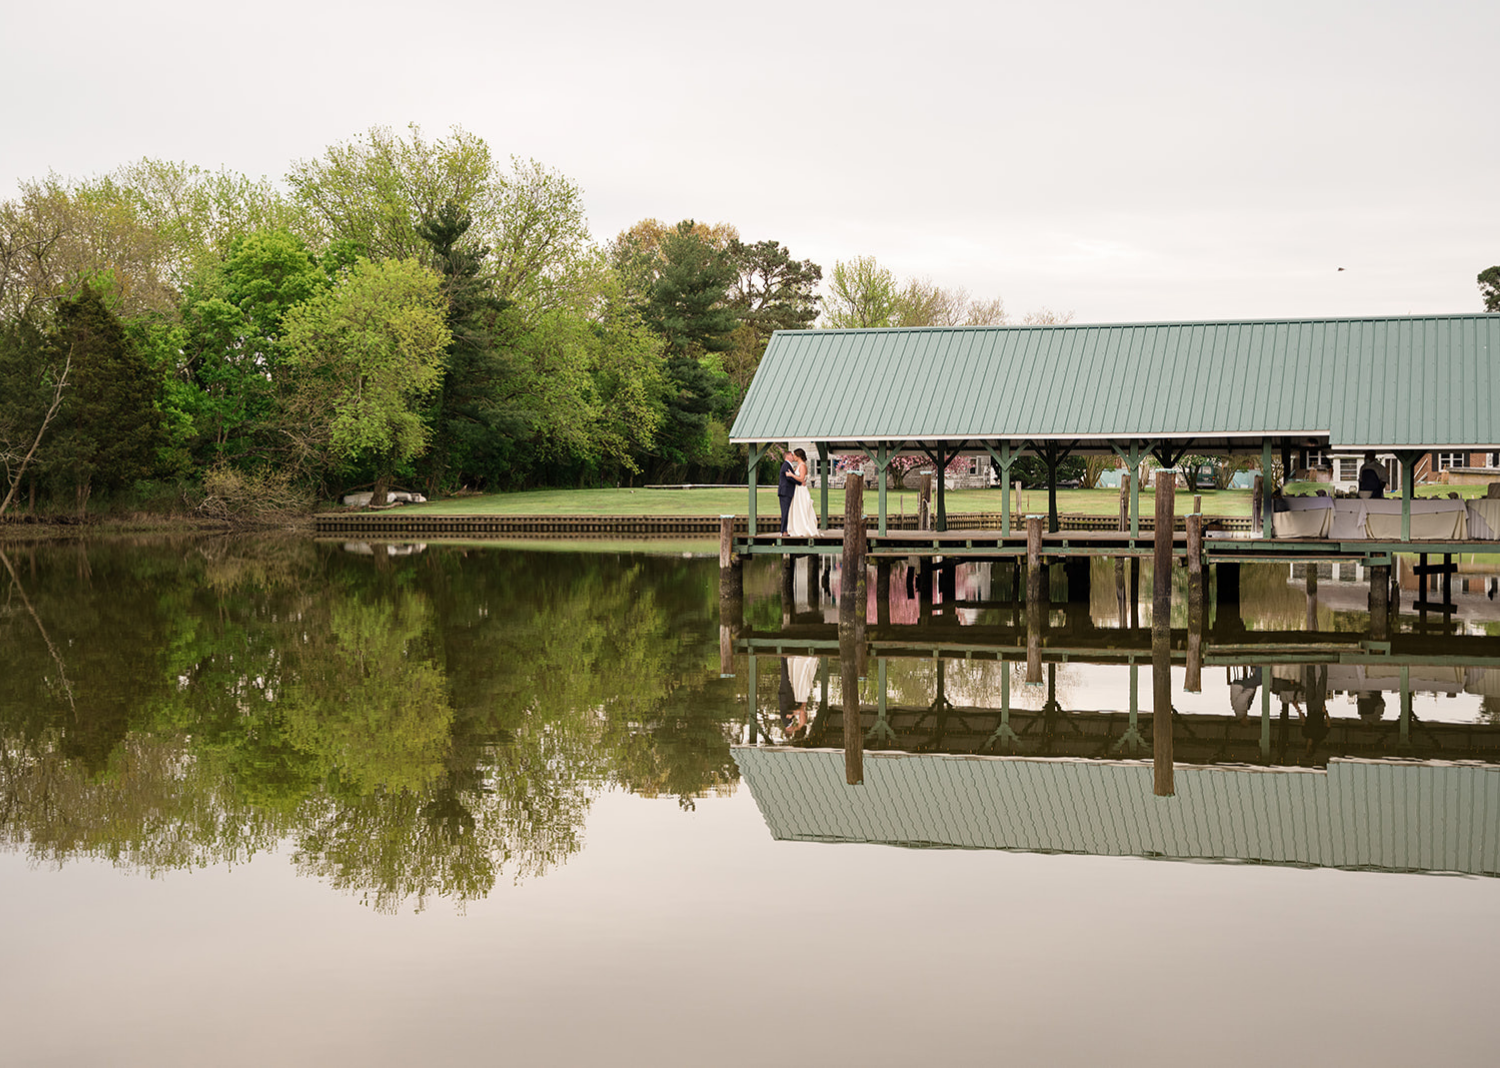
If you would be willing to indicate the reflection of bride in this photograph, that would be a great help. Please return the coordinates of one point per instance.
(799, 675)
(802, 520)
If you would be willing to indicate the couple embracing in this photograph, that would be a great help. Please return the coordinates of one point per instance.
(798, 519)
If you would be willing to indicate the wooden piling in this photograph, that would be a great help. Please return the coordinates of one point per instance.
(1161, 601)
(1125, 503)
(731, 595)
(1257, 503)
(1034, 579)
(924, 504)
(855, 588)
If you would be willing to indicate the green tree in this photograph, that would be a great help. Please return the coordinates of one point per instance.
(109, 427)
(862, 294)
(771, 291)
(367, 353)
(376, 190)
(1489, 288)
(233, 348)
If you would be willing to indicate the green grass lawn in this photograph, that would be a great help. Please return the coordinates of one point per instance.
(736, 502)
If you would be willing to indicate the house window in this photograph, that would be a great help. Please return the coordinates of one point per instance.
(1314, 459)
(1346, 469)
(1446, 460)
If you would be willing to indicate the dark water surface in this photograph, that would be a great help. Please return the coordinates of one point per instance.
(281, 802)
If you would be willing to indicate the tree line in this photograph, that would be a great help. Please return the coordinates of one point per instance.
(402, 309)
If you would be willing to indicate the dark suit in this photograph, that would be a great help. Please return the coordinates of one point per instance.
(784, 490)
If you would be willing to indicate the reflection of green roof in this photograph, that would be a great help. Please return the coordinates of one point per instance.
(1422, 382)
(1400, 816)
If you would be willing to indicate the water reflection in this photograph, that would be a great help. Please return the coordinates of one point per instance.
(408, 725)
(1003, 708)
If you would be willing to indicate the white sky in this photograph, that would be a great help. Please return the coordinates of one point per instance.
(1141, 161)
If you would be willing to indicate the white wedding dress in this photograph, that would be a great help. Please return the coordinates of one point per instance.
(802, 520)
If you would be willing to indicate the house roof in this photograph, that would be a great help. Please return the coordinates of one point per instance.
(1394, 815)
(1418, 382)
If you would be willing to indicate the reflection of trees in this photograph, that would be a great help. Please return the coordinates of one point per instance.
(414, 729)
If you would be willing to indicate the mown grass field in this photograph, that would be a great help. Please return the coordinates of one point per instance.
(736, 501)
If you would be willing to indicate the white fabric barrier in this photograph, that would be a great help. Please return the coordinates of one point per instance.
(1484, 519)
(1305, 517)
(1429, 519)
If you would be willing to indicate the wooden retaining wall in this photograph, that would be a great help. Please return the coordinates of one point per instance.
(395, 524)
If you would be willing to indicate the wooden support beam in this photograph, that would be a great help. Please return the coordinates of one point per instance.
(1003, 459)
(825, 475)
(1132, 457)
(756, 452)
(1034, 607)
(853, 608)
(1267, 485)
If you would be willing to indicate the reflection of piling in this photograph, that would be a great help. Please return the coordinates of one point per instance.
(1161, 600)
(1380, 602)
(1161, 707)
(1135, 590)
(1312, 595)
(883, 591)
(788, 589)
(948, 584)
(1197, 604)
(853, 609)
(731, 595)
(1035, 580)
(1120, 600)
(1076, 569)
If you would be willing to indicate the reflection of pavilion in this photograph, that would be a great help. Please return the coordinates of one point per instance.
(1386, 815)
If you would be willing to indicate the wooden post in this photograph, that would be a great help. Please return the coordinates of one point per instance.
(1257, 501)
(1408, 478)
(1161, 601)
(1268, 487)
(1034, 579)
(882, 462)
(855, 546)
(1161, 708)
(1197, 604)
(756, 452)
(924, 504)
(942, 506)
(1135, 490)
(825, 475)
(1124, 504)
(1198, 504)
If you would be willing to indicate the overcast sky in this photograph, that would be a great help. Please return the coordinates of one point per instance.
(1127, 161)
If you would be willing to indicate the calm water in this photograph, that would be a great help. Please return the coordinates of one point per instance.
(277, 802)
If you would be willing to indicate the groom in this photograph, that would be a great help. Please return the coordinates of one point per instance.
(785, 488)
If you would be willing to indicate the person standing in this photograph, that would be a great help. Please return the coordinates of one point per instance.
(786, 486)
(803, 518)
(1372, 478)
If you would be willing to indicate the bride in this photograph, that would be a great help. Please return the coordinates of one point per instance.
(802, 522)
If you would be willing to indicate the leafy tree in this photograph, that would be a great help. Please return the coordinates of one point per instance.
(376, 190)
(861, 294)
(109, 427)
(1489, 288)
(771, 291)
(33, 384)
(233, 350)
(367, 353)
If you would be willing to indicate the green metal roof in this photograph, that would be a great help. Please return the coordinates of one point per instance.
(1394, 815)
(1420, 382)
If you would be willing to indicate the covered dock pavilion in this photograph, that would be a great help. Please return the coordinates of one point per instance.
(1404, 386)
